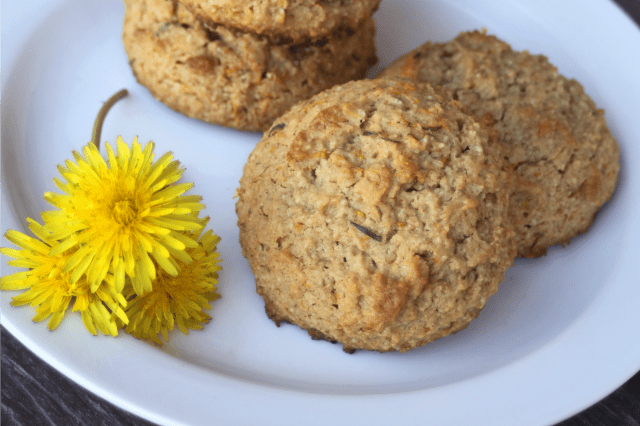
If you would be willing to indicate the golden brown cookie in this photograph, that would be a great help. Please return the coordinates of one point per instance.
(224, 76)
(293, 20)
(372, 215)
(549, 130)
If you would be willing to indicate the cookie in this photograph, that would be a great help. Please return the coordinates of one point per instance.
(372, 215)
(227, 77)
(549, 130)
(292, 20)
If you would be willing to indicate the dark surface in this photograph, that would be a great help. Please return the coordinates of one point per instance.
(33, 393)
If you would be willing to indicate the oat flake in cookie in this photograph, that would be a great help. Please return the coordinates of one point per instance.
(295, 20)
(372, 215)
(227, 77)
(549, 130)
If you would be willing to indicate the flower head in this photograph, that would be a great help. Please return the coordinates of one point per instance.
(49, 289)
(177, 299)
(127, 215)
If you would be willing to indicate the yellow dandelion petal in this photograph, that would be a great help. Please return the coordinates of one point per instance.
(170, 322)
(193, 201)
(14, 253)
(120, 299)
(58, 299)
(148, 243)
(144, 326)
(187, 240)
(181, 256)
(74, 260)
(138, 285)
(105, 297)
(171, 171)
(165, 334)
(41, 315)
(88, 322)
(129, 261)
(93, 159)
(123, 152)
(23, 298)
(141, 281)
(119, 277)
(147, 154)
(122, 316)
(23, 263)
(82, 303)
(70, 173)
(26, 242)
(56, 318)
(147, 265)
(165, 262)
(152, 229)
(77, 156)
(111, 158)
(166, 178)
(42, 296)
(82, 266)
(194, 325)
(173, 191)
(101, 323)
(173, 243)
(161, 212)
(212, 296)
(176, 224)
(135, 157)
(181, 210)
(158, 167)
(17, 281)
(61, 186)
(158, 312)
(64, 246)
(99, 268)
(180, 323)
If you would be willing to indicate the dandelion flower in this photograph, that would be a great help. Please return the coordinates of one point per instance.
(127, 215)
(177, 299)
(50, 291)
(123, 230)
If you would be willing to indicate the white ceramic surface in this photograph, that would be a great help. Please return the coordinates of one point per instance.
(561, 333)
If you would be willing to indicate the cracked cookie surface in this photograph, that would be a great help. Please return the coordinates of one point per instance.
(548, 129)
(296, 20)
(372, 215)
(227, 77)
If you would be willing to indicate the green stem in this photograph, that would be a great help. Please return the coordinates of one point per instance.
(97, 125)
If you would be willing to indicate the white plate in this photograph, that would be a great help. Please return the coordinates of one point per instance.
(560, 334)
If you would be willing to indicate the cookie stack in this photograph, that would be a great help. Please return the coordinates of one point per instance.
(383, 213)
(244, 63)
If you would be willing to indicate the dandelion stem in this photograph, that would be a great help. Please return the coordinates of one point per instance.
(97, 125)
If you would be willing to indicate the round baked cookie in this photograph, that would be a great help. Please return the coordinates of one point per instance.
(227, 77)
(549, 130)
(293, 20)
(372, 215)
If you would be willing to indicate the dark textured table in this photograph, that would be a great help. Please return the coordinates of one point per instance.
(33, 393)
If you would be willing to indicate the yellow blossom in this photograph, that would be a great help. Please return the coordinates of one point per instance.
(177, 300)
(49, 289)
(126, 215)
